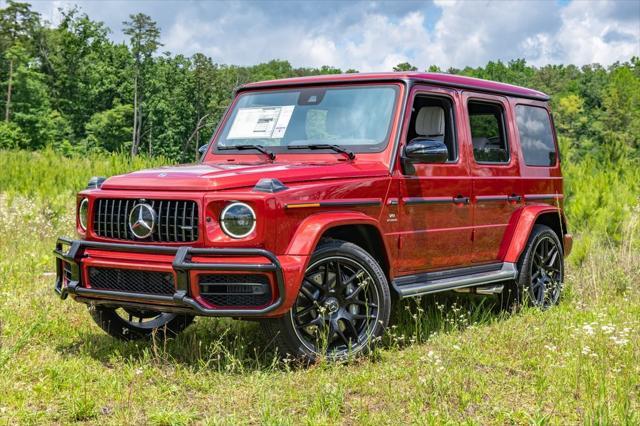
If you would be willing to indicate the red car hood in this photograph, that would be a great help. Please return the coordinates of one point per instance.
(213, 177)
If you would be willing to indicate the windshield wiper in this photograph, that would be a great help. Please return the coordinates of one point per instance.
(336, 148)
(259, 148)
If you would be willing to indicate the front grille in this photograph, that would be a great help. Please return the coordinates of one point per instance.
(131, 281)
(235, 289)
(176, 220)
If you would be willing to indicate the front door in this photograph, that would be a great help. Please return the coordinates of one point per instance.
(435, 209)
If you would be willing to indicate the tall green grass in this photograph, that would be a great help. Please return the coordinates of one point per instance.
(445, 360)
(47, 173)
(598, 201)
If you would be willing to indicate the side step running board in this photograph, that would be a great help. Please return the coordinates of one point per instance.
(437, 282)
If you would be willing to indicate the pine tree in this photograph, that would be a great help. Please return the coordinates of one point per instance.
(144, 38)
(17, 25)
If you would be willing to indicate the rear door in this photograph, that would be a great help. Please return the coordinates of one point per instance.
(435, 210)
(494, 168)
(539, 161)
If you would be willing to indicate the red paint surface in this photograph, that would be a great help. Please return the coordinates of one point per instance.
(435, 79)
(417, 238)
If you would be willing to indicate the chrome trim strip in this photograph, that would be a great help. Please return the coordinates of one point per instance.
(543, 197)
(334, 203)
(427, 200)
(489, 198)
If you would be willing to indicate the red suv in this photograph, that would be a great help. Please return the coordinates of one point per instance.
(317, 199)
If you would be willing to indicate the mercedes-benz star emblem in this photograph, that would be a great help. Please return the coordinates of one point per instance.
(142, 220)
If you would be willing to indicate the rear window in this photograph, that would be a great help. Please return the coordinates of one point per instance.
(536, 136)
(488, 134)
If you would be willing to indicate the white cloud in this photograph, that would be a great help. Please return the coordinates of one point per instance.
(378, 43)
(375, 35)
(472, 33)
(584, 35)
(320, 51)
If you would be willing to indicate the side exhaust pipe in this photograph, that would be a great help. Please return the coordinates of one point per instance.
(484, 290)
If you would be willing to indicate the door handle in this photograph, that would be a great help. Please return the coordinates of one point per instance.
(513, 198)
(461, 200)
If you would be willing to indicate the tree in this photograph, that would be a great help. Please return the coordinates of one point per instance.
(75, 57)
(405, 66)
(621, 115)
(70, 87)
(111, 129)
(31, 107)
(17, 24)
(144, 38)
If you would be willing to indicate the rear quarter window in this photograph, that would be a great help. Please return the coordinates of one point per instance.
(536, 136)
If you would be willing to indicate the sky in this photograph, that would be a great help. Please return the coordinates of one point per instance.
(376, 35)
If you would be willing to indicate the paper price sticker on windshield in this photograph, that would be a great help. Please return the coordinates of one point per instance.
(261, 122)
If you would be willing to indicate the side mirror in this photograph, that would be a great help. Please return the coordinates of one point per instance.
(203, 149)
(425, 150)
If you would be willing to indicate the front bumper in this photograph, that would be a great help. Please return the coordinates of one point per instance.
(69, 275)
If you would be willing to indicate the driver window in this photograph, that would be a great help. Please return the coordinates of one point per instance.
(432, 117)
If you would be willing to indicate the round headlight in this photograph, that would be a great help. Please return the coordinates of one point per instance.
(238, 220)
(83, 213)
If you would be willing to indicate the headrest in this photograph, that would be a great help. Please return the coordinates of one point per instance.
(480, 142)
(430, 121)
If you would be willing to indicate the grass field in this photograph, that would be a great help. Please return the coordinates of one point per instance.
(447, 359)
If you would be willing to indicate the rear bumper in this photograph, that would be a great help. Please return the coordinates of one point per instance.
(69, 276)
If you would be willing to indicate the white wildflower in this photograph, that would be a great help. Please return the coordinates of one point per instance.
(608, 329)
(620, 341)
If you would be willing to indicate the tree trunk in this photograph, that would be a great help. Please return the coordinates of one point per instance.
(201, 123)
(7, 108)
(197, 145)
(134, 137)
(139, 126)
(150, 138)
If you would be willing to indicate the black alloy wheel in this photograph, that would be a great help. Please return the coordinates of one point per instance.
(342, 306)
(541, 272)
(133, 324)
(337, 307)
(546, 272)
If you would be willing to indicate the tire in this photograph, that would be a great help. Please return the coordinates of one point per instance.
(331, 317)
(541, 272)
(130, 324)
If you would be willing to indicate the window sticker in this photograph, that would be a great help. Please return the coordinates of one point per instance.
(261, 122)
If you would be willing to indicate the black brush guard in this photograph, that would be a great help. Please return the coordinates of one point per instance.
(182, 264)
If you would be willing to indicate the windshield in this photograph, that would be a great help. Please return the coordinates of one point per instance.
(356, 118)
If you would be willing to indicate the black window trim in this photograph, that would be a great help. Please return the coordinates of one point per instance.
(454, 129)
(504, 129)
(553, 135)
(382, 145)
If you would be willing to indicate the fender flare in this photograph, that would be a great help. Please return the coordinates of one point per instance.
(310, 230)
(306, 238)
(520, 227)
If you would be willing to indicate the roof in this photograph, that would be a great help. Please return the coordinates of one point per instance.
(439, 79)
